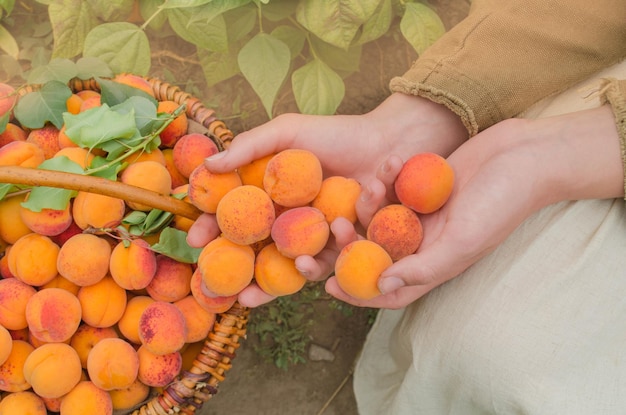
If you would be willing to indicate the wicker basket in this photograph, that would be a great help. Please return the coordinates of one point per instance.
(194, 387)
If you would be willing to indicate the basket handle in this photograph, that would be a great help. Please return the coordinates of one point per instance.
(92, 184)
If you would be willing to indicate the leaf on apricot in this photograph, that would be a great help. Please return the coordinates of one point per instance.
(57, 69)
(44, 197)
(173, 243)
(36, 108)
(95, 127)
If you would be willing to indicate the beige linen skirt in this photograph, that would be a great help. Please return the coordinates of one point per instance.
(537, 327)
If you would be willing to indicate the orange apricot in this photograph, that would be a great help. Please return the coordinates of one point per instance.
(397, 229)
(135, 81)
(245, 215)
(178, 179)
(86, 337)
(86, 398)
(190, 151)
(207, 300)
(103, 303)
(176, 128)
(14, 296)
(73, 103)
(206, 189)
(226, 267)
(33, 259)
(5, 272)
(277, 274)
(337, 198)
(6, 343)
(78, 155)
(47, 138)
(150, 175)
(172, 280)
(180, 222)
(112, 364)
(158, 370)
(300, 231)
(61, 282)
(358, 267)
(425, 182)
(44, 364)
(198, 321)
(90, 103)
(133, 266)
(253, 172)
(65, 141)
(12, 133)
(91, 210)
(12, 370)
(84, 259)
(154, 155)
(88, 93)
(48, 222)
(22, 403)
(21, 153)
(53, 315)
(12, 227)
(128, 324)
(130, 396)
(293, 177)
(162, 328)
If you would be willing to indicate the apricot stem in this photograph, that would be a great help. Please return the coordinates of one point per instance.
(99, 185)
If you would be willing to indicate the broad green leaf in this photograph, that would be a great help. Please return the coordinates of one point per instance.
(277, 10)
(150, 9)
(71, 21)
(7, 6)
(218, 66)
(264, 62)
(210, 11)
(173, 243)
(8, 43)
(341, 60)
(50, 197)
(145, 112)
(111, 10)
(239, 23)
(36, 108)
(4, 120)
(421, 26)
(317, 88)
(378, 24)
(5, 188)
(114, 93)
(134, 218)
(210, 35)
(57, 69)
(336, 22)
(96, 126)
(293, 37)
(122, 45)
(110, 172)
(179, 4)
(92, 68)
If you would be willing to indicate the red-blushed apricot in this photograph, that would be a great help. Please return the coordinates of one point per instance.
(12, 133)
(177, 177)
(47, 138)
(112, 364)
(78, 155)
(91, 210)
(150, 175)
(21, 334)
(253, 172)
(71, 230)
(52, 404)
(12, 227)
(128, 325)
(14, 296)
(337, 198)
(21, 153)
(84, 259)
(190, 151)
(176, 128)
(245, 215)
(358, 267)
(86, 398)
(135, 81)
(162, 328)
(133, 266)
(44, 365)
(277, 274)
(73, 103)
(86, 337)
(22, 403)
(61, 282)
(198, 321)
(5, 272)
(90, 103)
(206, 189)
(425, 182)
(103, 303)
(172, 280)
(130, 396)
(87, 93)
(293, 177)
(6, 343)
(33, 259)
(397, 229)
(53, 315)
(226, 267)
(48, 222)
(158, 370)
(8, 98)
(12, 370)
(180, 222)
(211, 303)
(300, 231)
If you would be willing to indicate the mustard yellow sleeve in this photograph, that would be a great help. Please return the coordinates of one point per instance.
(508, 54)
(613, 92)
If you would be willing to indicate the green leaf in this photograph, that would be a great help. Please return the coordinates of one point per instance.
(96, 126)
(7, 6)
(71, 21)
(57, 69)
(421, 26)
(218, 66)
(122, 45)
(341, 60)
(92, 68)
(378, 24)
(335, 22)
(50, 197)
(207, 34)
(145, 113)
(277, 10)
(264, 62)
(4, 120)
(5, 188)
(111, 10)
(8, 43)
(239, 23)
(149, 9)
(110, 173)
(36, 108)
(134, 218)
(173, 243)
(179, 4)
(114, 93)
(292, 37)
(317, 88)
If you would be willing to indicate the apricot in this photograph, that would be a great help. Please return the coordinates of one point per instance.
(245, 215)
(88, 93)
(150, 175)
(128, 324)
(206, 189)
(337, 198)
(61, 282)
(12, 370)
(293, 177)
(133, 266)
(73, 103)
(48, 222)
(190, 353)
(135, 81)
(21, 153)
(8, 98)
(197, 320)
(112, 364)
(154, 155)
(178, 179)
(84, 259)
(78, 155)
(4, 264)
(253, 172)
(103, 303)
(12, 227)
(180, 222)
(226, 267)
(158, 370)
(172, 280)
(6, 343)
(176, 128)
(91, 210)
(397, 229)
(47, 138)
(33, 259)
(86, 337)
(90, 103)
(14, 296)
(425, 182)
(71, 230)
(190, 151)
(53, 315)
(358, 267)
(23, 403)
(65, 141)
(162, 328)
(130, 396)
(44, 365)
(277, 274)
(12, 133)
(52, 404)
(300, 231)
(87, 398)
(211, 303)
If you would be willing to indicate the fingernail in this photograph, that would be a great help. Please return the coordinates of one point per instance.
(385, 167)
(302, 272)
(217, 155)
(390, 284)
(366, 194)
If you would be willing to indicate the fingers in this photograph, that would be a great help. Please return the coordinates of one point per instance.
(253, 296)
(203, 230)
(387, 174)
